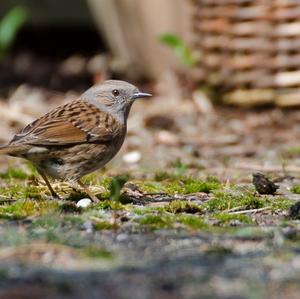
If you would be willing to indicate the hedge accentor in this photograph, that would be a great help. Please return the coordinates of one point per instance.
(79, 137)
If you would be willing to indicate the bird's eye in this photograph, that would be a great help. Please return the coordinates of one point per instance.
(115, 92)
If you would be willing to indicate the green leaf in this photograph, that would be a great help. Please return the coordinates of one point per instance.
(180, 49)
(10, 25)
(116, 186)
(171, 40)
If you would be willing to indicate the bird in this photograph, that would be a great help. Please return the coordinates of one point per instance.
(78, 137)
(263, 185)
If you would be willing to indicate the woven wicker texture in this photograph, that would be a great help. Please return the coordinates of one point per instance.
(250, 49)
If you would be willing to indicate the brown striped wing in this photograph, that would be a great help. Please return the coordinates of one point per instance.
(74, 123)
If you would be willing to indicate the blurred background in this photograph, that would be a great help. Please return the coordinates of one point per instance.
(225, 74)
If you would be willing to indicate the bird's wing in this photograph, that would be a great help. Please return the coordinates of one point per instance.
(74, 123)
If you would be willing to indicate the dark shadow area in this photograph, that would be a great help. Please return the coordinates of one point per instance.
(51, 57)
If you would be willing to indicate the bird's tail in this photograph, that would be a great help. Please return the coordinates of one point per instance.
(11, 150)
(5, 149)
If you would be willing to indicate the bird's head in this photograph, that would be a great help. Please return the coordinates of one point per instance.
(114, 96)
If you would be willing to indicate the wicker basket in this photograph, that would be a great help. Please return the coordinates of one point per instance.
(250, 49)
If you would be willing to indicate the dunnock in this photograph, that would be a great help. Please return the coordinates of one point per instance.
(79, 137)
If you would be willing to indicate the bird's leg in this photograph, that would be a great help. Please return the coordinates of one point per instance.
(93, 197)
(53, 193)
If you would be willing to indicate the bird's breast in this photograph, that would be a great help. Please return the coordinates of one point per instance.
(76, 161)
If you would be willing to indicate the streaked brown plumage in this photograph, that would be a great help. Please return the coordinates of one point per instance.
(79, 137)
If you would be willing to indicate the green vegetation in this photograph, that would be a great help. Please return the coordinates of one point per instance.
(116, 186)
(103, 225)
(18, 191)
(225, 219)
(180, 49)
(9, 27)
(218, 251)
(157, 221)
(94, 252)
(193, 222)
(108, 204)
(296, 189)
(24, 208)
(183, 206)
(180, 185)
(223, 200)
(14, 173)
(280, 203)
(62, 222)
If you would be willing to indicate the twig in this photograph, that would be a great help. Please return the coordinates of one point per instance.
(234, 209)
(250, 211)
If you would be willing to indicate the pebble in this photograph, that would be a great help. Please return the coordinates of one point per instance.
(83, 203)
(132, 157)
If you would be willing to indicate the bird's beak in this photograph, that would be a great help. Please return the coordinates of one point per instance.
(139, 94)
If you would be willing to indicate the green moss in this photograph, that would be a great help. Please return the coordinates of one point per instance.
(183, 206)
(14, 173)
(224, 201)
(192, 221)
(95, 252)
(180, 185)
(156, 221)
(150, 187)
(147, 210)
(74, 220)
(296, 189)
(225, 219)
(18, 191)
(218, 251)
(25, 208)
(108, 205)
(187, 185)
(159, 219)
(280, 203)
(103, 225)
(47, 222)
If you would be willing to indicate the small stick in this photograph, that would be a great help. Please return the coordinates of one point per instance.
(249, 211)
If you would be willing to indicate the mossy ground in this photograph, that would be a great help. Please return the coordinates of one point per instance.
(171, 217)
(145, 220)
(24, 198)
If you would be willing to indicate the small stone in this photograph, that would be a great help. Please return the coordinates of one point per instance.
(83, 203)
(263, 185)
(132, 157)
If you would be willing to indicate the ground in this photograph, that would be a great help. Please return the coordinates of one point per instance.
(188, 222)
